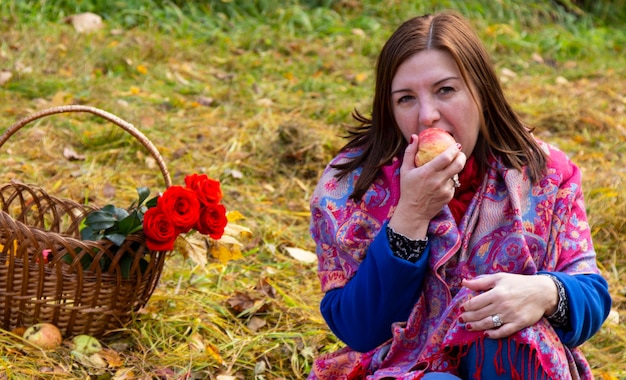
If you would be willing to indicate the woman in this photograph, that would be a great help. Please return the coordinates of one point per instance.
(491, 276)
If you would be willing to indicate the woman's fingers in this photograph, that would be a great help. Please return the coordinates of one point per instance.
(505, 303)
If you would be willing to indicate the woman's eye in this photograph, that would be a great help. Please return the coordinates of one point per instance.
(404, 99)
(446, 90)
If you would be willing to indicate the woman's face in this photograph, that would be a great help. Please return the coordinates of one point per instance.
(428, 91)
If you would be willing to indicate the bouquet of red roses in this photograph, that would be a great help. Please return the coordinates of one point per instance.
(180, 209)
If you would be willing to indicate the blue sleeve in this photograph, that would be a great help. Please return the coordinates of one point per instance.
(589, 305)
(383, 291)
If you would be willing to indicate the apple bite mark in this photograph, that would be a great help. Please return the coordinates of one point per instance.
(431, 143)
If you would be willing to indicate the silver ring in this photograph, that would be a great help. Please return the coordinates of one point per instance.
(497, 322)
(456, 182)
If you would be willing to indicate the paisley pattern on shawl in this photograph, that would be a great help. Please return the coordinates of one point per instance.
(510, 226)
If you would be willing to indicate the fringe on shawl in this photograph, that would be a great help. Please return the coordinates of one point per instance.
(529, 369)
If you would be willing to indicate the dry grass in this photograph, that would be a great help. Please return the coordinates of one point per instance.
(262, 113)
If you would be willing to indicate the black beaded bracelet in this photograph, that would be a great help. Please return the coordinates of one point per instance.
(560, 317)
(405, 248)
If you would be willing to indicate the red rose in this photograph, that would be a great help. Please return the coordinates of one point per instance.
(212, 221)
(159, 230)
(181, 205)
(207, 189)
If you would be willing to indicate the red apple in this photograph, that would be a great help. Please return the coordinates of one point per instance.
(44, 335)
(431, 143)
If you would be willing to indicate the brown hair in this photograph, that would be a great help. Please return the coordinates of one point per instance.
(501, 131)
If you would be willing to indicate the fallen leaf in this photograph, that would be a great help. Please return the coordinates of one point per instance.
(235, 173)
(266, 288)
(60, 98)
(225, 249)
(150, 162)
(226, 377)
(358, 32)
(124, 374)
(259, 368)
(94, 360)
(255, 323)
(85, 22)
(360, 77)
(301, 255)
(165, 373)
(196, 343)
(193, 247)
(607, 376)
(71, 155)
(142, 69)
(215, 353)
(5, 76)
(561, 80)
(23, 69)
(509, 73)
(243, 303)
(56, 370)
(202, 100)
(112, 358)
(240, 302)
(265, 102)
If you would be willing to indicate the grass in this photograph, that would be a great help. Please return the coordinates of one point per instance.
(256, 94)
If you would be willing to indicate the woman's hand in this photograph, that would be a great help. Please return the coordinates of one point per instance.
(518, 301)
(424, 190)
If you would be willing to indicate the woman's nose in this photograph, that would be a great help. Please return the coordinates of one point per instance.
(428, 113)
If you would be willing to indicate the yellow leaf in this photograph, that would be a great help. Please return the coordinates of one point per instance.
(124, 374)
(61, 98)
(214, 352)
(193, 247)
(234, 216)
(289, 76)
(112, 358)
(142, 69)
(224, 253)
(197, 343)
(233, 229)
(608, 376)
(360, 77)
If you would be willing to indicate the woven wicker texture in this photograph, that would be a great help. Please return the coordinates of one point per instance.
(45, 272)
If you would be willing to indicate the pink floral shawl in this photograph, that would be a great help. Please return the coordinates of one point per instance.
(510, 226)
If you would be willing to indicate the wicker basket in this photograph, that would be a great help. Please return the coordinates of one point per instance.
(59, 288)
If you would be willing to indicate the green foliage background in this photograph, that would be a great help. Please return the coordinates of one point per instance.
(256, 94)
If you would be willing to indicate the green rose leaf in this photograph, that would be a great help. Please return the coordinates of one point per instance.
(120, 213)
(143, 193)
(130, 224)
(101, 219)
(116, 237)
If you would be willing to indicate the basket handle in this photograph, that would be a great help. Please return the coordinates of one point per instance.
(128, 127)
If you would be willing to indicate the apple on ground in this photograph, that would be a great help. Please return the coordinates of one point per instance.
(44, 335)
(86, 344)
(431, 143)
